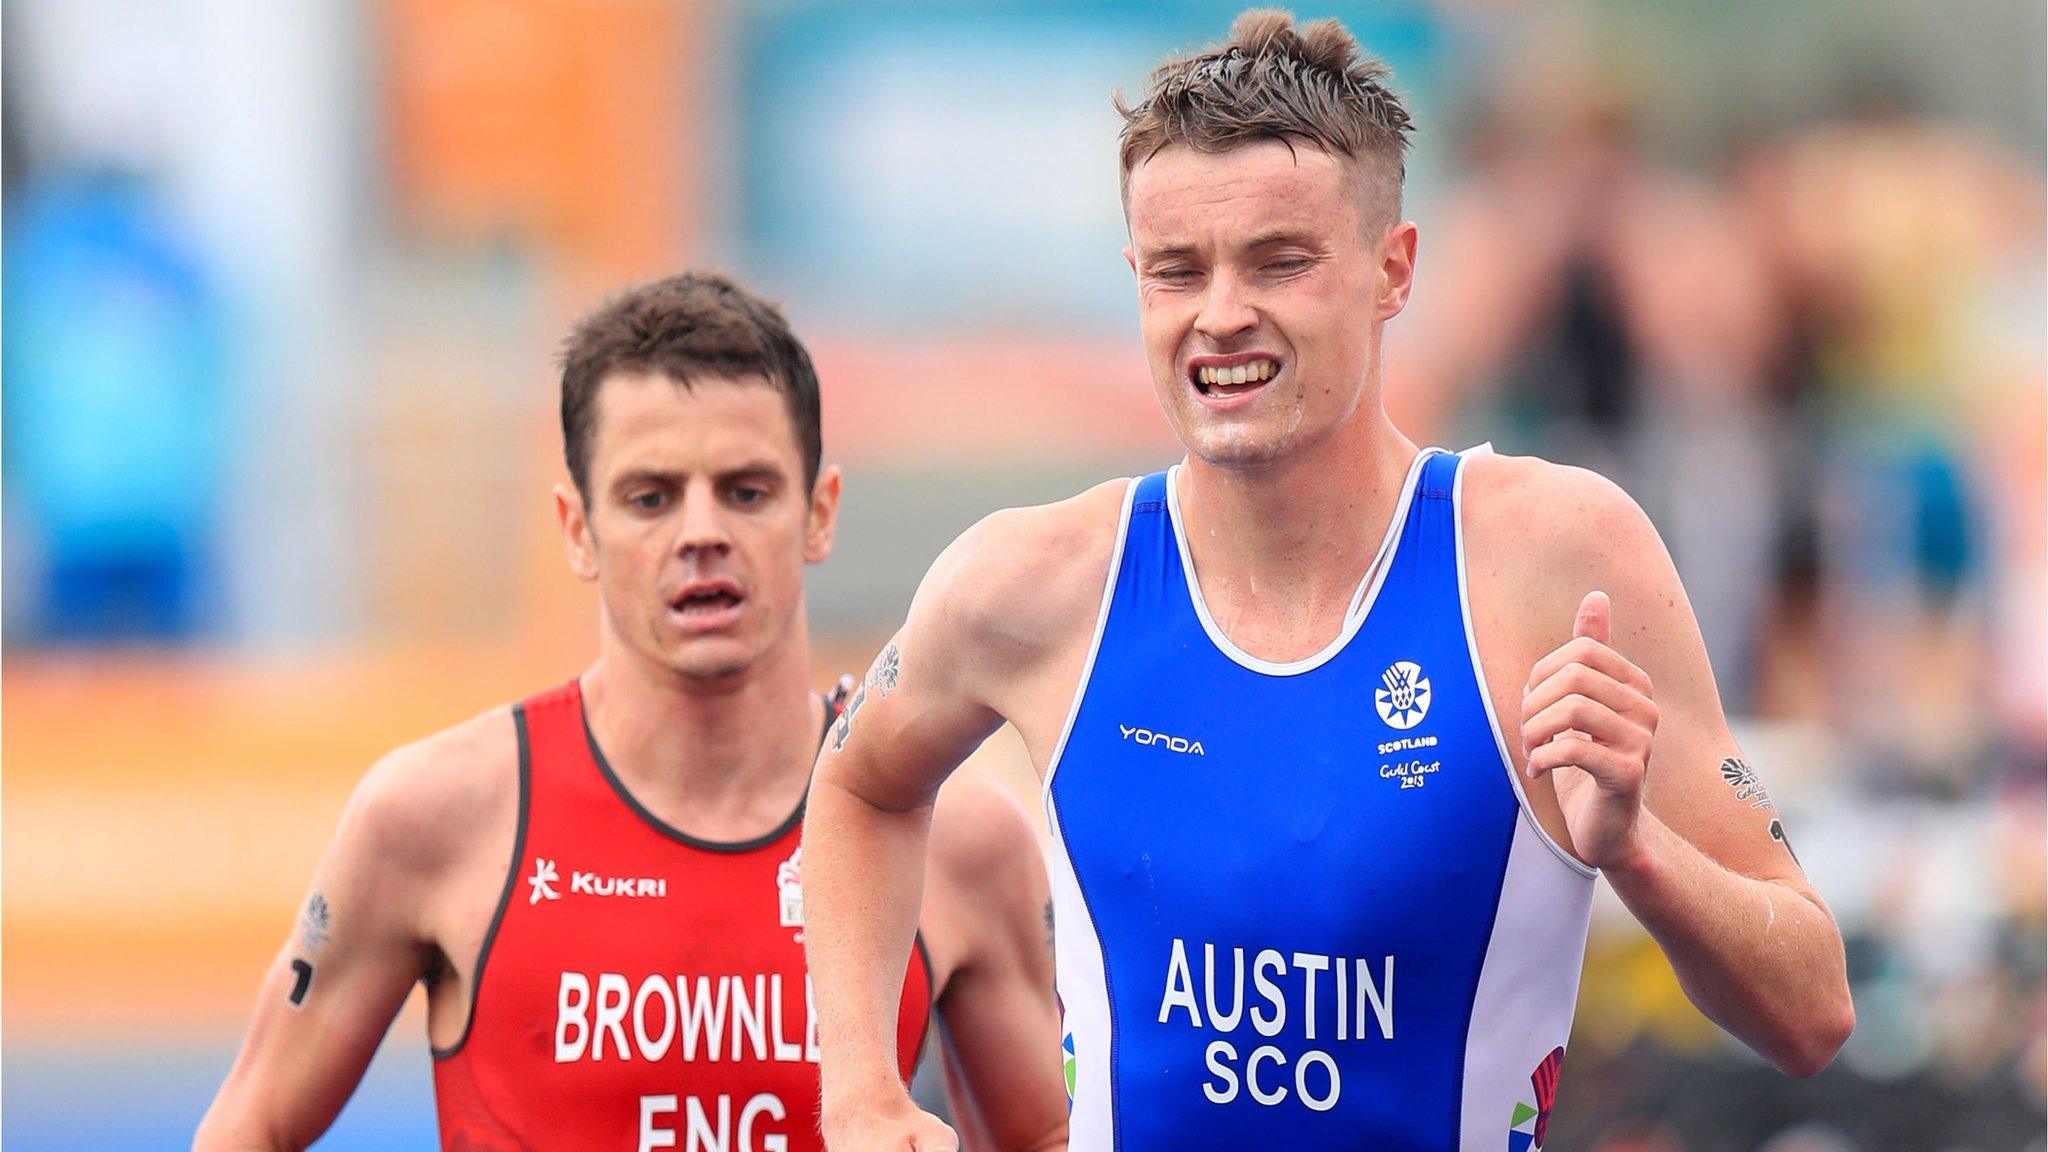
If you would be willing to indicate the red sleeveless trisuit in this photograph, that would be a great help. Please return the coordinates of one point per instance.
(638, 988)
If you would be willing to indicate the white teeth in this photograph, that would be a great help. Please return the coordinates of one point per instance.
(1256, 372)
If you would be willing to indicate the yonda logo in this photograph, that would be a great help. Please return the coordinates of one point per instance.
(1180, 744)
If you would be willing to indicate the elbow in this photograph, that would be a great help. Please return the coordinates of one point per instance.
(220, 1131)
(1811, 1046)
(209, 1139)
(212, 1135)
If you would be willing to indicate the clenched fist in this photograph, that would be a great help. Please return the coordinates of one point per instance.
(893, 1126)
(1588, 711)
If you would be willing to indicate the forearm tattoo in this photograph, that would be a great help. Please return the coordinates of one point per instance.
(881, 679)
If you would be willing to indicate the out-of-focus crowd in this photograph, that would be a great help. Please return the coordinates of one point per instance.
(1820, 369)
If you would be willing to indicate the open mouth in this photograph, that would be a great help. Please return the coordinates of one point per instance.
(1224, 380)
(706, 599)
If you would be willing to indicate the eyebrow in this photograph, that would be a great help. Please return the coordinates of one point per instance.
(752, 470)
(759, 470)
(1276, 236)
(1267, 239)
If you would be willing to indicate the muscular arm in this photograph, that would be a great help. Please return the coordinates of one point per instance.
(916, 716)
(1705, 866)
(986, 911)
(347, 967)
(1002, 606)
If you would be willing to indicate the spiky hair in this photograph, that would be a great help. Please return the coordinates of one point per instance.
(1273, 79)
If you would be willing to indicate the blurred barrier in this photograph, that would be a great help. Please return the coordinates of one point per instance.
(164, 815)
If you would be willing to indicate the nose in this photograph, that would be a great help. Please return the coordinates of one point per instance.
(701, 529)
(1227, 309)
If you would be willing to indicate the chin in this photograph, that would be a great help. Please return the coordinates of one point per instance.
(706, 660)
(1236, 447)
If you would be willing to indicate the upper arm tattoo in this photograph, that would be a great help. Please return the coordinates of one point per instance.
(315, 923)
(315, 930)
(1748, 787)
(302, 981)
(881, 679)
(1778, 834)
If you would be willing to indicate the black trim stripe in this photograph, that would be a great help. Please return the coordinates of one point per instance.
(676, 834)
(476, 979)
(931, 1006)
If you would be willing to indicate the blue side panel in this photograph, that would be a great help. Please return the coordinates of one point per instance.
(1240, 835)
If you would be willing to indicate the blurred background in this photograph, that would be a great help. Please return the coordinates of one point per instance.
(284, 278)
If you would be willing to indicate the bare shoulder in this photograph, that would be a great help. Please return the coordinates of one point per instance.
(1538, 537)
(1529, 519)
(1026, 577)
(422, 808)
(979, 833)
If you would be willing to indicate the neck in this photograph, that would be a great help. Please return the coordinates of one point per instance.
(1280, 548)
(724, 759)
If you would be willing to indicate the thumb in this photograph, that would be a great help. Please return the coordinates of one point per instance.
(1596, 618)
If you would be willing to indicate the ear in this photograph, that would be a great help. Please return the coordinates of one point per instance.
(824, 519)
(1131, 257)
(1397, 269)
(577, 539)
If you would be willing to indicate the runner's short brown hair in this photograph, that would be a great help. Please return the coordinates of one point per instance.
(1273, 79)
(685, 327)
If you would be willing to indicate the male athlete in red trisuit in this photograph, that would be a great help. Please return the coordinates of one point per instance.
(602, 886)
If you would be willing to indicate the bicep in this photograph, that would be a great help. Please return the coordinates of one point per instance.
(326, 1001)
(1000, 610)
(923, 706)
(1700, 784)
(908, 724)
(999, 1015)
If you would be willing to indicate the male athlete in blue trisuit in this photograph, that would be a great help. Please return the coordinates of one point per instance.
(1335, 732)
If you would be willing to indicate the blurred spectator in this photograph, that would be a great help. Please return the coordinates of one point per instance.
(117, 418)
(1896, 239)
(1808, 375)
(1625, 320)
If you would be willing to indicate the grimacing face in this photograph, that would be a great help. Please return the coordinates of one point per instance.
(698, 524)
(1262, 286)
